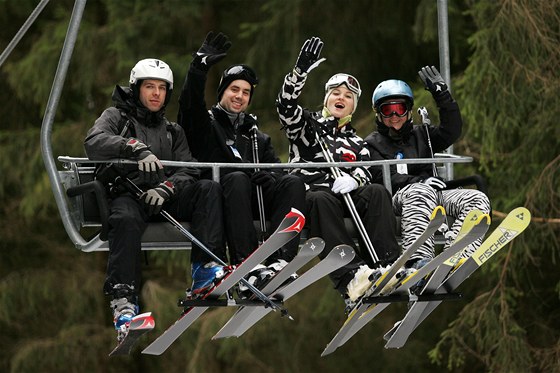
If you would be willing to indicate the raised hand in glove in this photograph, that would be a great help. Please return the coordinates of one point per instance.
(263, 178)
(344, 184)
(435, 183)
(211, 51)
(149, 166)
(154, 198)
(308, 58)
(433, 81)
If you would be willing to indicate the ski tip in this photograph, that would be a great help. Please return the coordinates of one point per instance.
(299, 222)
(439, 210)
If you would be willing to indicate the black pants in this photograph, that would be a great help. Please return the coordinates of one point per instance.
(241, 209)
(199, 203)
(326, 213)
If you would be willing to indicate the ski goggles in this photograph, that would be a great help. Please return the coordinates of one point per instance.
(348, 80)
(389, 109)
(243, 72)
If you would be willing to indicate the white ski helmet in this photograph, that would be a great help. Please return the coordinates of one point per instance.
(151, 68)
(349, 81)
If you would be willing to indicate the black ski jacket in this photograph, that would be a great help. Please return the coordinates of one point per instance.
(211, 134)
(413, 143)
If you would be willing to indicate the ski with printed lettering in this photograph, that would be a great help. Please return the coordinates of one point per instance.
(288, 229)
(371, 306)
(249, 316)
(437, 218)
(139, 325)
(398, 335)
(309, 250)
(511, 227)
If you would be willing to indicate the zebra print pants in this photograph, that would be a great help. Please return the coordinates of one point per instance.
(415, 203)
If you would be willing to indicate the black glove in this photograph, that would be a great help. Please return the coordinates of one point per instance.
(433, 81)
(211, 51)
(435, 182)
(149, 166)
(263, 178)
(154, 198)
(308, 58)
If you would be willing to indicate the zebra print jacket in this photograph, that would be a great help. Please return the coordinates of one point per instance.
(305, 129)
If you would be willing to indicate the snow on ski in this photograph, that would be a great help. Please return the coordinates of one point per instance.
(368, 310)
(384, 282)
(139, 325)
(249, 316)
(511, 227)
(398, 335)
(309, 250)
(288, 229)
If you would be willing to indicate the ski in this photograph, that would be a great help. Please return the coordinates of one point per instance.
(398, 336)
(288, 229)
(511, 227)
(247, 317)
(367, 309)
(437, 218)
(310, 249)
(139, 325)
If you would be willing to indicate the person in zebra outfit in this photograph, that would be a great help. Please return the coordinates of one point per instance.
(332, 125)
(417, 190)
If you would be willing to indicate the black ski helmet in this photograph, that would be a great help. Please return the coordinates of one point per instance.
(236, 72)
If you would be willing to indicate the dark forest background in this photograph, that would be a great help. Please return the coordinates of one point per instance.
(505, 74)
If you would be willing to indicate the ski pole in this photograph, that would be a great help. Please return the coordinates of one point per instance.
(348, 200)
(260, 199)
(269, 302)
(423, 112)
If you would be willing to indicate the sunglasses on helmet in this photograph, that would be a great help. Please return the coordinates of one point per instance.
(393, 108)
(242, 71)
(348, 80)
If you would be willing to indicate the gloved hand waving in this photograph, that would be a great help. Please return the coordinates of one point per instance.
(211, 51)
(154, 198)
(433, 81)
(263, 178)
(149, 166)
(308, 58)
(436, 183)
(344, 184)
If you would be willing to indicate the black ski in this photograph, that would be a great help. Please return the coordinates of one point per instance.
(513, 225)
(288, 229)
(247, 317)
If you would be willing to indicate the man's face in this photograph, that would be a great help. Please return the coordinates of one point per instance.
(153, 93)
(236, 96)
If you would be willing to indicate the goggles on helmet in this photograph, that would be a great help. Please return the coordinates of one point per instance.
(348, 80)
(243, 72)
(389, 108)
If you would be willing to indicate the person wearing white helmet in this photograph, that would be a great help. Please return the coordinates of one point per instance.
(226, 133)
(332, 125)
(416, 189)
(136, 128)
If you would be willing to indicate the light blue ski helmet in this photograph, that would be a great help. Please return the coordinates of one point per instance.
(392, 88)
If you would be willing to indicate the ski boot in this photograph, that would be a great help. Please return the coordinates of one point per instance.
(205, 277)
(123, 313)
(258, 276)
(362, 282)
